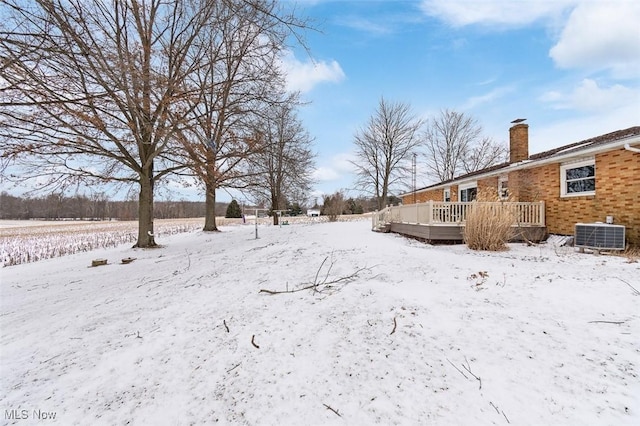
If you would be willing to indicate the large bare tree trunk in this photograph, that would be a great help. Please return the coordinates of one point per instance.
(210, 209)
(275, 205)
(146, 237)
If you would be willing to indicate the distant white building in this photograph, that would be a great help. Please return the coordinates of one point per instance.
(313, 212)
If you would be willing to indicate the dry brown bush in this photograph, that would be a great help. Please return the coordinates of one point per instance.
(632, 254)
(488, 224)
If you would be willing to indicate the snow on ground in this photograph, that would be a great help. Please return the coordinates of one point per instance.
(420, 335)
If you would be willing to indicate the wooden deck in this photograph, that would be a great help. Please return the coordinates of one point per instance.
(429, 232)
(453, 233)
(439, 221)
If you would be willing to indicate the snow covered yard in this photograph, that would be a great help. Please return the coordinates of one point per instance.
(420, 335)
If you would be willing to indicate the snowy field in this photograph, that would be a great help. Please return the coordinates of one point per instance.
(394, 332)
(25, 241)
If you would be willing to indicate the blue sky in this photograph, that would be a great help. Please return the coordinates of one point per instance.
(571, 67)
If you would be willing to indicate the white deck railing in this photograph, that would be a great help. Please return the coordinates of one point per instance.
(455, 213)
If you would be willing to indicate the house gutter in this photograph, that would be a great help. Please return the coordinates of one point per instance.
(571, 155)
(630, 148)
(525, 164)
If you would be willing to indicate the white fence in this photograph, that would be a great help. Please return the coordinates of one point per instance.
(455, 213)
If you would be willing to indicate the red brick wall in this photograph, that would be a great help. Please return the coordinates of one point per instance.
(454, 193)
(488, 188)
(433, 195)
(421, 197)
(518, 143)
(617, 194)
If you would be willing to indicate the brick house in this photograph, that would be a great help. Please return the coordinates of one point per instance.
(583, 182)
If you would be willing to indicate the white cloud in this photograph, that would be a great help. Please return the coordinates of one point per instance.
(552, 96)
(589, 96)
(304, 76)
(309, 2)
(601, 35)
(342, 162)
(379, 24)
(566, 131)
(591, 34)
(323, 174)
(486, 82)
(340, 165)
(503, 12)
(491, 96)
(367, 25)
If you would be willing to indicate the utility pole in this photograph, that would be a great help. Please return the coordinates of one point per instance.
(413, 171)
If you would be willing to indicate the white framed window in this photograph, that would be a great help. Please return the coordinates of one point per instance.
(468, 191)
(578, 178)
(503, 187)
(446, 196)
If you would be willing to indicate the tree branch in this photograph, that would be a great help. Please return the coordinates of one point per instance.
(334, 411)
(319, 286)
(635, 291)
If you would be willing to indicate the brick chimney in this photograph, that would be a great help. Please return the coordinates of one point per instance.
(518, 143)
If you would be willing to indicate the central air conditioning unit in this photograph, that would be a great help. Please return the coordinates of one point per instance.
(599, 236)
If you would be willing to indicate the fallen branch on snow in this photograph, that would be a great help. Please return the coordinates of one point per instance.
(499, 411)
(318, 286)
(468, 368)
(635, 291)
(335, 411)
(460, 371)
(234, 367)
(47, 360)
(253, 342)
(608, 322)
(395, 324)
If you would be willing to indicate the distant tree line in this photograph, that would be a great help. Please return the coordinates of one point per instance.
(336, 204)
(99, 207)
(57, 206)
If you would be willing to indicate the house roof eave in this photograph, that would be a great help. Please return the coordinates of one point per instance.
(556, 157)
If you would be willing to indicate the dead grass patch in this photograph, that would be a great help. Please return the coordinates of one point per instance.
(632, 254)
(489, 224)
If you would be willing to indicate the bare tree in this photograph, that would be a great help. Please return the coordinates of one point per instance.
(454, 144)
(333, 205)
(483, 154)
(95, 91)
(239, 76)
(384, 146)
(281, 172)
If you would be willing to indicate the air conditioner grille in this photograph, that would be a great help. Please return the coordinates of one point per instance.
(599, 236)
